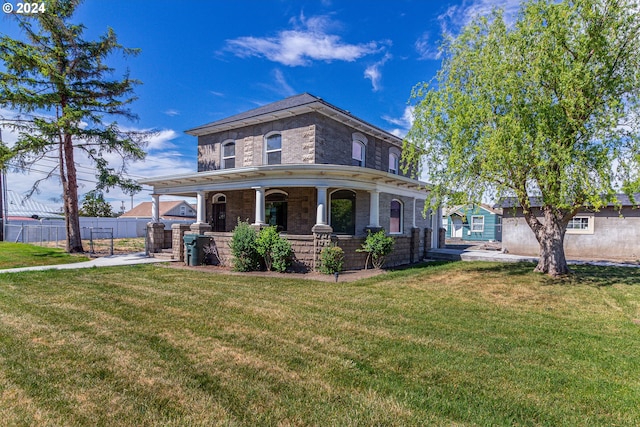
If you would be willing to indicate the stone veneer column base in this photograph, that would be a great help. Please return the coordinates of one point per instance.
(155, 237)
(177, 242)
(414, 249)
(200, 228)
(321, 239)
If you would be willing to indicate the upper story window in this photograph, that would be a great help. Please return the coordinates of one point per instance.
(273, 149)
(228, 155)
(358, 149)
(394, 163)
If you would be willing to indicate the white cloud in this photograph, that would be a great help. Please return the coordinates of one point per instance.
(457, 17)
(426, 48)
(403, 123)
(281, 83)
(172, 113)
(374, 74)
(309, 41)
(162, 159)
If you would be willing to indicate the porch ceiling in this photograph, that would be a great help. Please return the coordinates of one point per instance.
(297, 175)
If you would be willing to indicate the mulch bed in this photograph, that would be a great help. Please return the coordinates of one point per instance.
(345, 276)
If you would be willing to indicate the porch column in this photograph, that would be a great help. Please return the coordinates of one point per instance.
(155, 208)
(321, 209)
(435, 227)
(414, 213)
(201, 211)
(374, 209)
(260, 218)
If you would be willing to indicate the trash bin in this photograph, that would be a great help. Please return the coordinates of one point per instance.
(194, 245)
(191, 252)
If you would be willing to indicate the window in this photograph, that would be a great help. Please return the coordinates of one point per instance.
(275, 209)
(477, 224)
(578, 223)
(228, 155)
(395, 217)
(274, 149)
(357, 154)
(183, 210)
(358, 149)
(343, 212)
(393, 163)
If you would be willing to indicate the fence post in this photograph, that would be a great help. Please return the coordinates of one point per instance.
(91, 251)
(111, 250)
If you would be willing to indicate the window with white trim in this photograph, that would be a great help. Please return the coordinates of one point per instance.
(477, 224)
(273, 149)
(395, 217)
(358, 149)
(228, 155)
(394, 163)
(578, 223)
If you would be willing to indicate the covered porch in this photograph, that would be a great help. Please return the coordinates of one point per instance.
(312, 205)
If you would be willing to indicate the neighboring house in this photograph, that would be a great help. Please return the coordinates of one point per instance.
(315, 171)
(613, 232)
(474, 223)
(170, 210)
(22, 208)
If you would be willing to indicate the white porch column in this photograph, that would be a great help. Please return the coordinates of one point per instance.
(414, 213)
(260, 218)
(435, 227)
(374, 209)
(201, 210)
(155, 208)
(321, 208)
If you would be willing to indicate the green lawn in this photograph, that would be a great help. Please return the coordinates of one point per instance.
(454, 344)
(14, 255)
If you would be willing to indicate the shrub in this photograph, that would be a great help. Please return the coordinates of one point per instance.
(378, 246)
(243, 248)
(331, 260)
(275, 250)
(281, 254)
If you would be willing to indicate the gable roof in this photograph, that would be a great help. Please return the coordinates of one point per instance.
(143, 210)
(462, 210)
(18, 206)
(294, 105)
(536, 202)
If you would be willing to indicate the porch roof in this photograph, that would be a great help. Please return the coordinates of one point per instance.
(288, 175)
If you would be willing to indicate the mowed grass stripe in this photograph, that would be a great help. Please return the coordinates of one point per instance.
(467, 344)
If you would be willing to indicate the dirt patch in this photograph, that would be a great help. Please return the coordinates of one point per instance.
(345, 276)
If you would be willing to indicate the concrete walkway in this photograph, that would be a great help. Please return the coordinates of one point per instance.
(108, 261)
(497, 256)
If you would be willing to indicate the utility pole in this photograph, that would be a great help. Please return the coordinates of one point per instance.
(2, 200)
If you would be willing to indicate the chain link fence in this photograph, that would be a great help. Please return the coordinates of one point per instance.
(99, 240)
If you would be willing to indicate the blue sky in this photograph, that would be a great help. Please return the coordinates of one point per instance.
(205, 60)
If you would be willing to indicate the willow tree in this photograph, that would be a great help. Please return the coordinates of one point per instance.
(66, 101)
(542, 110)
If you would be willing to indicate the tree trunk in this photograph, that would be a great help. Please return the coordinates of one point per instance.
(70, 186)
(550, 236)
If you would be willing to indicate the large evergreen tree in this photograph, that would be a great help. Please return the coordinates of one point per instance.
(545, 108)
(67, 100)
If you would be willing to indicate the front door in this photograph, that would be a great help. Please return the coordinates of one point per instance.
(457, 227)
(219, 217)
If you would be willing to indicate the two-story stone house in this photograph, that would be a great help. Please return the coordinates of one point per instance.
(315, 171)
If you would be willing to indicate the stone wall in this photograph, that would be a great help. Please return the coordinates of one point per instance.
(303, 251)
(221, 243)
(298, 143)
